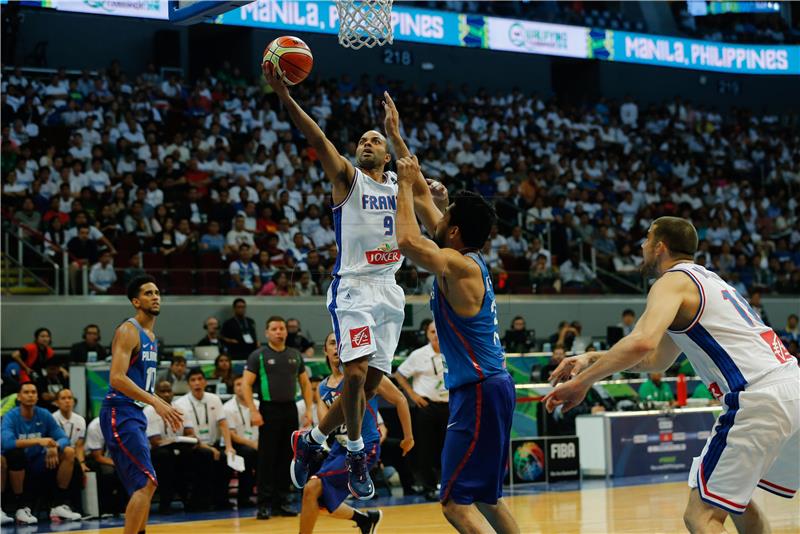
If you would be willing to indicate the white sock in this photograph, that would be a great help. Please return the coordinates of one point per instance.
(317, 436)
(355, 446)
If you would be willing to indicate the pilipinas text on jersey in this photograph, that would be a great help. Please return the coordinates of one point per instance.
(727, 343)
(142, 369)
(364, 225)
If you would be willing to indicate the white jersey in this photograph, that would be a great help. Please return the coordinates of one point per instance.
(364, 223)
(728, 345)
(74, 427)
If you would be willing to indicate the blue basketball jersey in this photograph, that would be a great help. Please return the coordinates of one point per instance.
(470, 345)
(142, 369)
(369, 425)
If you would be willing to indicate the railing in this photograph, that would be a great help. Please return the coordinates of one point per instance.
(60, 273)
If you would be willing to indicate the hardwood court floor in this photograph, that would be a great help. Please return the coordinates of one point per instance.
(651, 508)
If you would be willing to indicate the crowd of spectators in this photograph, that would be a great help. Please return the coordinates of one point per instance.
(207, 185)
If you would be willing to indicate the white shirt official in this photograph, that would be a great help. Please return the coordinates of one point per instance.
(204, 415)
(426, 369)
(74, 427)
(157, 427)
(94, 436)
(238, 417)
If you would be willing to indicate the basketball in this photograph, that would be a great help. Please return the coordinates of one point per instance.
(289, 58)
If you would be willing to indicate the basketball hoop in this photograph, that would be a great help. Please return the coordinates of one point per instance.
(365, 23)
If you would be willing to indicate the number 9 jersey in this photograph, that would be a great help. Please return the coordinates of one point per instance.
(365, 232)
(141, 369)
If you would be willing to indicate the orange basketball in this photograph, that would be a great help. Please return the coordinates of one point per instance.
(289, 59)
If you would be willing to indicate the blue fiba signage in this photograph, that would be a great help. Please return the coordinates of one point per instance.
(694, 54)
(409, 24)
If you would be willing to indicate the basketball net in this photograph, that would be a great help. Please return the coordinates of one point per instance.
(365, 23)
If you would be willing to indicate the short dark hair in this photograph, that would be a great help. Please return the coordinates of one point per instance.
(193, 372)
(678, 235)
(237, 377)
(276, 318)
(238, 300)
(135, 285)
(473, 216)
(40, 330)
(178, 358)
(628, 311)
(28, 382)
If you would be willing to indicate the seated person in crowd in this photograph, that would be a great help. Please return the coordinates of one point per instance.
(102, 275)
(654, 390)
(297, 340)
(555, 359)
(205, 413)
(518, 338)
(38, 456)
(90, 349)
(212, 337)
(172, 458)
(176, 375)
(74, 426)
(51, 382)
(31, 357)
(223, 371)
(244, 272)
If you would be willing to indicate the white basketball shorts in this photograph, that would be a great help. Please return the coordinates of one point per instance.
(755, 442)
(367, 319)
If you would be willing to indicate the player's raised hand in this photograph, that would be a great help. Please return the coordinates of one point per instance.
(276, 83)
(407, 169)
(171, 415)
(567, 395)
(392, 121)
(441, 198)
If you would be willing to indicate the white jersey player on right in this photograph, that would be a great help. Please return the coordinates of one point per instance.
(365, 303)
(755, 442)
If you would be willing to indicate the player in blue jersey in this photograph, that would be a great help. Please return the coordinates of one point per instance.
(328, 487)
(134, 361)
(482, 394)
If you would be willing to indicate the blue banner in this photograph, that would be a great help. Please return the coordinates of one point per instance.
(664, 51)
(410, 24)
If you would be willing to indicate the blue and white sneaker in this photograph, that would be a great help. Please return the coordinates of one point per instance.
(358, 480)
(308, 457)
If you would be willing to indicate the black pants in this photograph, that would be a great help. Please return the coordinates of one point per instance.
(111, 495)
(275, 451)
(210, 479)
(174, 464)
(430, 425)
(247, 477)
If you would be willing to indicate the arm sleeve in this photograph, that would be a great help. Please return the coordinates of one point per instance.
(409, 367)
(252, 362)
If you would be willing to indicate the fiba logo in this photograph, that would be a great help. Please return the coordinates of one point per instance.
(562, 450)
(516, 34)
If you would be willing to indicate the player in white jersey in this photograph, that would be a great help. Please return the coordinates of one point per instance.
(365, 303)
(756, 440)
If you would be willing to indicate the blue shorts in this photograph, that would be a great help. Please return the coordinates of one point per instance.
(475, 454)
(333, 474)
(125, 431)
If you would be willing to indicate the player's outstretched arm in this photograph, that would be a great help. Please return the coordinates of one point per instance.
(425, 205)
(416, 247)
(338, 169)
(663, 304)
(389, 391)
(659, 359)
(126, 340)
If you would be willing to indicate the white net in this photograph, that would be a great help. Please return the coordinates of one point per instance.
(365, 23)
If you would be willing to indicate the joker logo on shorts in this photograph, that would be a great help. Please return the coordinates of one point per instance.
(359, 337)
